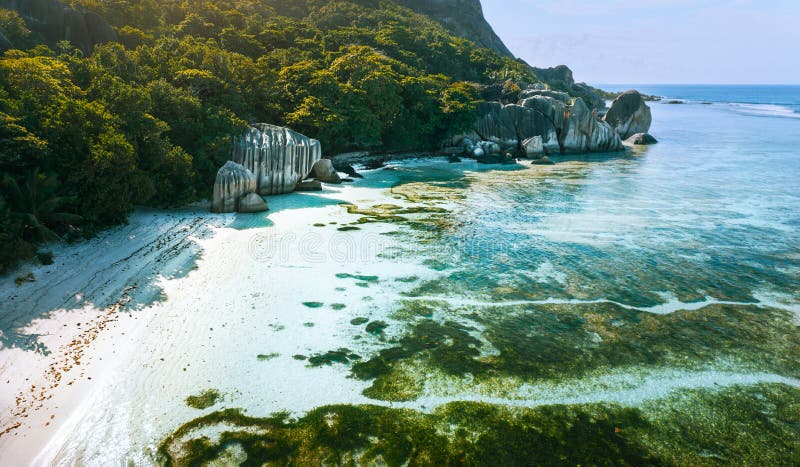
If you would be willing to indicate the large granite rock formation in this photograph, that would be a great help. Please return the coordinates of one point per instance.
(584, 132)
(57, 21)
(279, 157)
(561, 77)
(233, 182)
(464, 18)
(629, 114)
(562, 125)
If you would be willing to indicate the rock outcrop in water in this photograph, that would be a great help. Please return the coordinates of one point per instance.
(629, 114)
(57, 21)
(641, 139)
(560, 123)
(279, 157)
(233, 183)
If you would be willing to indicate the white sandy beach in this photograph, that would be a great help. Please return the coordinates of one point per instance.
(100, 352)
(112, 356)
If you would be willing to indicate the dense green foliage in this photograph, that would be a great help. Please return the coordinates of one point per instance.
(149, 120)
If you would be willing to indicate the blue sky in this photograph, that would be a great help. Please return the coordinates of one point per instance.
(656, 41)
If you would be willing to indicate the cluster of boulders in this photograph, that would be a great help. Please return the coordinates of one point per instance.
(270, 160)
(546, 122)
(57, 21)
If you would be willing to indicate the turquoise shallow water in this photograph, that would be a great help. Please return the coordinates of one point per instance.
(642, 305)
(713, 210)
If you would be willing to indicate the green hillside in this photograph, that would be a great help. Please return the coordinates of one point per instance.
(149, 120)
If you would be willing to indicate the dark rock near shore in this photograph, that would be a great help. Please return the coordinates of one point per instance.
(309, 185)
(323, 171)
(347, 169)
(252, 203)
(629, 114)
(543, 161)
(641, 139)
(233, 182)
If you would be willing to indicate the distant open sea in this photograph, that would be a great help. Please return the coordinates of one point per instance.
(757, 100)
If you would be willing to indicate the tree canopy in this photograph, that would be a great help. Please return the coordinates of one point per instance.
(149, 120)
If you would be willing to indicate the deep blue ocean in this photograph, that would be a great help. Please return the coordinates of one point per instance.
(759, 100)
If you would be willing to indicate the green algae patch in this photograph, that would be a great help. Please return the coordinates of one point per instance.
(553, 342)
(426, 192)
(313, 304)
(300, 357)
(270, 356)
(407, 280)
(420, 217)
(349, 228)
(359, 321)
(447, 346)
(376, 328)
(203, 400)
(343, 356)
(695, 427)
(370, 279)
(750, 425)
(473, 434)
(338, 306)
(412, 309)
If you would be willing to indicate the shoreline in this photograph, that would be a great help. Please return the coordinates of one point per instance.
(185, 252)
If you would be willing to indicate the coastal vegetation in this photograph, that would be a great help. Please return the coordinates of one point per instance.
(148, 120)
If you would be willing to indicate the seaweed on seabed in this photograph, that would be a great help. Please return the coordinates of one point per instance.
(459, 433)
(342, 355)
(203, 400)
(690, 427)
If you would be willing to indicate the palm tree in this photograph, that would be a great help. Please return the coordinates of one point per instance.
(35, 204)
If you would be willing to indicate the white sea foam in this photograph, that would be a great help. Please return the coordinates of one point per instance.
(763, 110)
(672, 304)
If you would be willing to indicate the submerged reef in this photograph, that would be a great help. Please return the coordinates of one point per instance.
(502, 347)
(744, 424)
